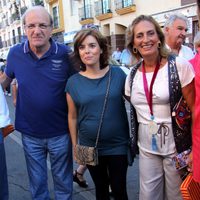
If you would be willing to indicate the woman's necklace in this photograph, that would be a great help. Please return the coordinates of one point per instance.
(153, 127)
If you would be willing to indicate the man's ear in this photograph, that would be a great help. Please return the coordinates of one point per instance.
(166, 29)
(24, 30)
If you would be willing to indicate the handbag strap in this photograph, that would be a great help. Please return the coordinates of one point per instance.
(133, 116)
(104, 107)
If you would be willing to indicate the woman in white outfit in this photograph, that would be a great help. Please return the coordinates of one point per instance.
(150, 97)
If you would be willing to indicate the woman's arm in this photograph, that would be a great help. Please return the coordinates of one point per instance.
(72, 119)
(189, 95)
(14, 91)
(5, 80)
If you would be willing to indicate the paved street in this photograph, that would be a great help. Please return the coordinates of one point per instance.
(18, 180)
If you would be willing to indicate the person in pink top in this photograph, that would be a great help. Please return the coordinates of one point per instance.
(196, 60)
(196, 126)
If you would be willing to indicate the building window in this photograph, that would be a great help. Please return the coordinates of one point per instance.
(128, 3)
(1, 43)
(4, 2)
(4, 41)
(55, 17)
(19, 34)
(195, 27)
(9, 41)
(102, 7)
(86, 11)
(123, 3)
(14, 38)
(106, 6)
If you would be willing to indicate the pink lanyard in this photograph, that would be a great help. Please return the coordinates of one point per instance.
(148, 93)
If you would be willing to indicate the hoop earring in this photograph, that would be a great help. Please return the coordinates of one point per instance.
(159, 45)
(135, 51)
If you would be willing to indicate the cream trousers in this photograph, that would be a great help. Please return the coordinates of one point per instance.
(159, 180)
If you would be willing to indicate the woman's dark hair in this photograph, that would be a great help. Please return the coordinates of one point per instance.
(102, 41)
(163, 51)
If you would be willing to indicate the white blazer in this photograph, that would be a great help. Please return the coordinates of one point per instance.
(4, 112)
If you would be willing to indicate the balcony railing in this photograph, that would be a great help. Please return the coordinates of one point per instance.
(85, 12)
(39, 3)
(15, 16)
(103, 10)
(102, 7)
(123, 3)
(23, 10)
(124, 6)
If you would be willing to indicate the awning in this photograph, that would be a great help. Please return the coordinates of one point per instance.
(69, 37)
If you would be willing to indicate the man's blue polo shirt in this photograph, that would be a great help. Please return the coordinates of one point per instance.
(41, 109)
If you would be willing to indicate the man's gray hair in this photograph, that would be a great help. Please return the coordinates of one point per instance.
(173, 17)
(36, 8)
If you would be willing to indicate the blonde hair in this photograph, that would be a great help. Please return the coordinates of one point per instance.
(163, 51)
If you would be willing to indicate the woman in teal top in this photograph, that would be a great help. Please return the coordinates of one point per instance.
(85, 96)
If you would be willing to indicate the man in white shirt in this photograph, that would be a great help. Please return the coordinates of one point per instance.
(175, 29)
(4, 121)
(116, 55)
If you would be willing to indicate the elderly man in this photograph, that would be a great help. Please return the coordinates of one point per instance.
(4, 121)
(175, 30)
(42, 67)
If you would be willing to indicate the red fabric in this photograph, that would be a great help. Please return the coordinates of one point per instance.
(196, 62)
(196, 126)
